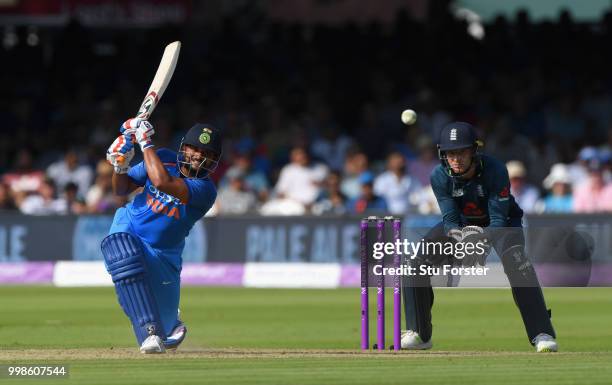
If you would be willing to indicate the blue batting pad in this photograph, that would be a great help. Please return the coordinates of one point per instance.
(124, 258)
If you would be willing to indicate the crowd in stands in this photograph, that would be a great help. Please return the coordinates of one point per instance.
(310, 186)
(311, 114)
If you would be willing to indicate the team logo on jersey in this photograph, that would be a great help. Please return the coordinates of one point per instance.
(471, 209)
(457, 192)
(161, 203)
(453, 134)
(205, 136)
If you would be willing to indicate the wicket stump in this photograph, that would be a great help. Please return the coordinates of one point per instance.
(387, 229)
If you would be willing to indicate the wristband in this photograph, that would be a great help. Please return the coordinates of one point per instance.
(146, 145)
(120, 170)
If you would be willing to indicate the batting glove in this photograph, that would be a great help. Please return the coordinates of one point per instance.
(130, 125)
(120, 154)
(140, 130)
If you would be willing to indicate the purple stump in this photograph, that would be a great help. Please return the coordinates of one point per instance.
(380, 292)
(397, 299)
(365, 336)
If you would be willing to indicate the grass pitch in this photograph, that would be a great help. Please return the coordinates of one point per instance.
(265, 336)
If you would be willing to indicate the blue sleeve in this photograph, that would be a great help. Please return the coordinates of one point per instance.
(166, 155)
(451, 215)
(138, 174)
(202, 193)
(499, 196)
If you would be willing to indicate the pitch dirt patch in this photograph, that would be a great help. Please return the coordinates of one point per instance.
(209, 353)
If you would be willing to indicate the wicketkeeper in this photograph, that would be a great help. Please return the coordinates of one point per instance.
(143, 250)
(473, 192)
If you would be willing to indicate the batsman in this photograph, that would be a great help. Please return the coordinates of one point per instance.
(142, 252)
(473, 192)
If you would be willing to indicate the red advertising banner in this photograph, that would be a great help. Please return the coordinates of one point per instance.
(31, 7)
(97, 13)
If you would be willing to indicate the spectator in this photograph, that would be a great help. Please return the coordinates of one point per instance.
(281, 206)
(331, 147)
(593, 196)
(74, 204)
(426, 160)
(425, 201)
(525, 194)
(6, 198)
(531, 113)
(100, 198)
(331, 200)
(605, 156)
(395, 186)
(367, 202)
(23, 178)
(558, 182)
(235, 198)
(543, 158)
(354, 165)
(579, 170)
(509, 145)
(45, 202)
(68, 170)
(253, 179)
(299, 180)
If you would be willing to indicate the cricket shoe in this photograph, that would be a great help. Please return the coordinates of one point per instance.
(545, 343)
(412, 341)
(152, 345)
(176, 337)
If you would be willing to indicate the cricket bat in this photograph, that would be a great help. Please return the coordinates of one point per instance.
(160, 81)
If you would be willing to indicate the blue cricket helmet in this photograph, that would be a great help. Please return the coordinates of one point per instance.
(204, 137)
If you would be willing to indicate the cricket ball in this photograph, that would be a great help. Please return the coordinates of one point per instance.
(409, 117)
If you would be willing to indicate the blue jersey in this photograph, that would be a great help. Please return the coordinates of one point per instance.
(160, 220)
(484, 200)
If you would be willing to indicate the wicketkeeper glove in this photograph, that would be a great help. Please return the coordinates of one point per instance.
(481, 245)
